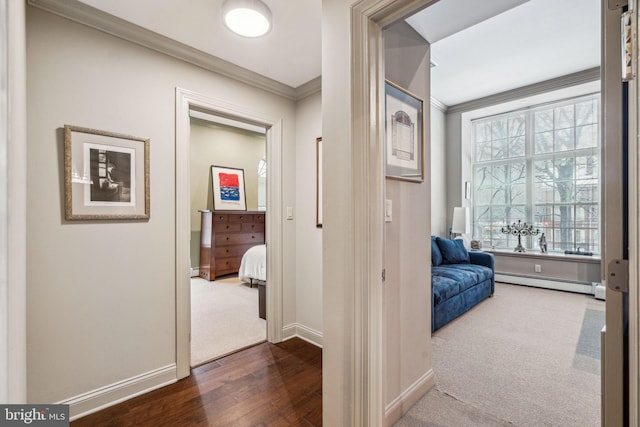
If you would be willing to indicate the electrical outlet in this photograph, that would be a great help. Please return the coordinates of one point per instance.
(537, 268)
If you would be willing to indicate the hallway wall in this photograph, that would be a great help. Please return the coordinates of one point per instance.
(101, 294)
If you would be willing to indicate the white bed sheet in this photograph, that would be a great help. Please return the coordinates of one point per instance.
(254, 264)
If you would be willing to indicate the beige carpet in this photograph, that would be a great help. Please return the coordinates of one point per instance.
(526, 357)
(224, 318)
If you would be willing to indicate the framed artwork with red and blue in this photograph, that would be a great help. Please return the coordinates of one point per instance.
(228, 189)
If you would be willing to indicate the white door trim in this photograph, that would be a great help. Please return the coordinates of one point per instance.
(368, 17)
(612, 374)
(185, 101)
(634, 247)
(14, 299)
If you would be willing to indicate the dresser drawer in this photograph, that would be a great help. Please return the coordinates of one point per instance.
(239, 217)
(239, 238)
(231, 251)
(218, 217)
(228, 226)
(227, 265)
(252, 227)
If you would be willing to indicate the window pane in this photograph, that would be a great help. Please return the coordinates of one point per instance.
(564, 140)
(543, 217)
(499, 129)
(483, 131)
(544, 142)
(564, 117)
(586, 112)
(516, 147)
(517, 125)
(483, 151)
(544, 120)
(587, 136)
(499, 149)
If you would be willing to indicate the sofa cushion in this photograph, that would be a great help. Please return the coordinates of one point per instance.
(481, 272)
(453, 251)
(436, 256)
(443, 288)
(464, 279)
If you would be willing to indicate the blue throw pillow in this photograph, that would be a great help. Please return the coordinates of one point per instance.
(453, 251)
(436, 256)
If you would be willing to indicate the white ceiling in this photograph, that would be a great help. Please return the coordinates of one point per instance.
(290, 53)
(531, 42)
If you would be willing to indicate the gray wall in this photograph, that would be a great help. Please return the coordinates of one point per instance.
(101, 295)
(438, 177)
(407, 290)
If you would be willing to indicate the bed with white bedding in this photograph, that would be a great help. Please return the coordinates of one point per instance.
(253, 266)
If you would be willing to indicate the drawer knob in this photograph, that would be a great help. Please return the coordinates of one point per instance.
(227, 238)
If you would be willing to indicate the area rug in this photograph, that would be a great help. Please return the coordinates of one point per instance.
(224, 318)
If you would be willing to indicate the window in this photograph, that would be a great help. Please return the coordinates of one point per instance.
(262, 184)
(540, 165)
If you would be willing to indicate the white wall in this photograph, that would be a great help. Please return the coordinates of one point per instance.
(308, 236)
(438, 178)
(337, 231)
(101, 295)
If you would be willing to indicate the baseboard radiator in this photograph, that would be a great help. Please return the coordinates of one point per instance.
(550, 283)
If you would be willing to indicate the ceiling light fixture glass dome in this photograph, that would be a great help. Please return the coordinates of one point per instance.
(248, 18)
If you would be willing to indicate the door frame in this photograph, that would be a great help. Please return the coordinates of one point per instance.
(187, 100)
(368, 17)
(363, 393)
(619, 388)
(634, 243)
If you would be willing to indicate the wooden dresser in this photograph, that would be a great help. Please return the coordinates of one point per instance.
(224, 237)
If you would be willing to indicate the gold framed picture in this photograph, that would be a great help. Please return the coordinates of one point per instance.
(106, 175)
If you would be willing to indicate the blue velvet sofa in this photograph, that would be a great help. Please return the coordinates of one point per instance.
(459, 279)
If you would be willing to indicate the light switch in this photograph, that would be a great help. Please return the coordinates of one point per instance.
(388, 210)
(289, 212)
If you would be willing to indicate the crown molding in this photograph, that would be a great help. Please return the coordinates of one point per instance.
(82, 13)
(309, 88)
(439, 105)
(574, 79)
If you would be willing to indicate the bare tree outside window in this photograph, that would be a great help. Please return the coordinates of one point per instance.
(540, 166)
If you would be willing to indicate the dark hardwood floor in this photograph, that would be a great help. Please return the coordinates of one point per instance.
(265, 385)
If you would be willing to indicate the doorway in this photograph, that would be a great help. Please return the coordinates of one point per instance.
(499, 176)
(187, 101)
(228, 294)
(369, 17)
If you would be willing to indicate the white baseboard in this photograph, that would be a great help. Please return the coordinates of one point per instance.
(578, 287)
(112, 394)
(303, 332)
(195, 271)
(401, 404)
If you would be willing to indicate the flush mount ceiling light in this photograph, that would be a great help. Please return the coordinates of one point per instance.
(248, 18)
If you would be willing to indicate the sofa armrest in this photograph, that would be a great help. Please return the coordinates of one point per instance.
(482, 258)
(485, 259)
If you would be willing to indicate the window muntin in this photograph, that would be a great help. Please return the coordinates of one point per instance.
(540, 165)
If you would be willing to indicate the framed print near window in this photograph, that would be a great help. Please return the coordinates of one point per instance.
(404, 140)
(228, 189)
(319, 182)
(106, 175)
